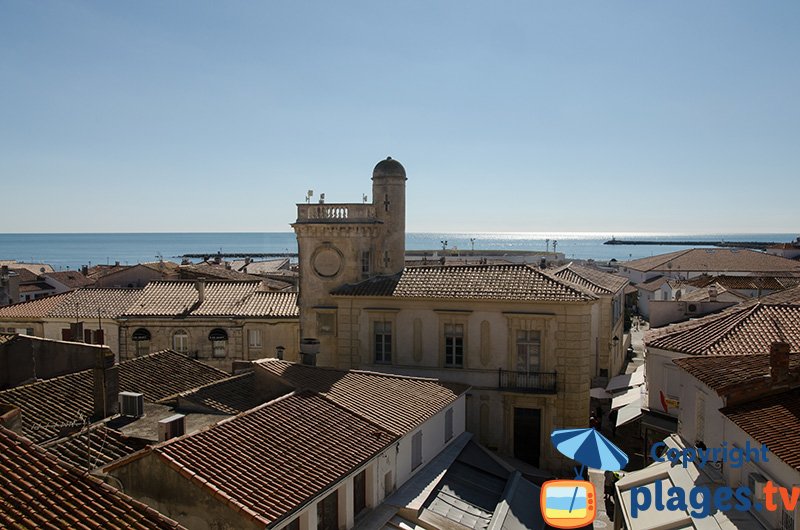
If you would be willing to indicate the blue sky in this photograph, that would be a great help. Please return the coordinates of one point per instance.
(508, 116)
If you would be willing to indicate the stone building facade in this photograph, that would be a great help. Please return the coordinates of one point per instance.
(520, 336)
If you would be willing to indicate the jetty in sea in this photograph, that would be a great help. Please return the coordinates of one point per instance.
(240, 255)
(755, 245)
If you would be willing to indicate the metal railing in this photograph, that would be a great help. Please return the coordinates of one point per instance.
(529, 382)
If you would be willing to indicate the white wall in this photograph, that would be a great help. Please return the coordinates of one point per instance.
(694, 393)
(659, 369)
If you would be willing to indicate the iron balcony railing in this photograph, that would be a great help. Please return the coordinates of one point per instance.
(529, 382)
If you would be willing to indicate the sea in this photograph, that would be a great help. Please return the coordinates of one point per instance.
(71, 251)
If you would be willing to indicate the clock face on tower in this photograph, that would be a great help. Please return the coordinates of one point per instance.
(327, 261)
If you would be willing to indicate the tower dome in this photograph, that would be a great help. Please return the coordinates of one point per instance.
(389, 168)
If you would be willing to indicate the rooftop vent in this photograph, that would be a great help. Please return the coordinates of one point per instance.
(131, 404)
(171, 427)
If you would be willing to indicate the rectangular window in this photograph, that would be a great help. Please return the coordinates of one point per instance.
(326, 322)
(360, 492)
(383, 341)
(528, 351)
(254, 338)
(448, 425)
(180, 342)
(142, 347)
(416, 450)
(328, 512)
(365, 263)
(218, 347)
(454, 345)
(29, 331)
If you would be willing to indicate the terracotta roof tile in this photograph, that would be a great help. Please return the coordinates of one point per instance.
(742, 329)
(397, 403)
(97, 447)
(229, 396)
(40, 491)
(82, 303)
(72, 279)
(598, 282)
(725, 372)
(50, 405)
(773, 421)
(472, 282)
(653, 284)
(222, 298)
(272, 459)
(714, 259)
(767, 283)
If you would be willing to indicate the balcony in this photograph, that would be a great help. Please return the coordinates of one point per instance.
(336, 213)
(527, 382)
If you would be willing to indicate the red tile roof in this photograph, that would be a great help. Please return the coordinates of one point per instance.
(723, 373)
(51, 405)
(72, 279)
(714, 260)
(397, 403)
(766, 283)
(271, 460)
(598, 282)
(81, 303)
(97, 447)
(221, 298)
(38, 491)
(773, 421)
(471, 282)
(742, 329)
(229, 396)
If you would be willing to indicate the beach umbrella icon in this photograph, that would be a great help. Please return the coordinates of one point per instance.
(590, 448)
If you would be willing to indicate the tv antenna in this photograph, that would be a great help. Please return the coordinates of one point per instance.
(309, 194)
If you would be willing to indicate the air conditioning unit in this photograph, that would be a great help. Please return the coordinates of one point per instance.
(131, 404)
(171, 427)
(692, 308)
(756, 482)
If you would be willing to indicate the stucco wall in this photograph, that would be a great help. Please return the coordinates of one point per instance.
(23, 359)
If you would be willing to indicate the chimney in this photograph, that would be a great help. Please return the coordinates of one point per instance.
(543, 263)
(106, 384)
(779, 362)
(309, 348)
(200, 285)
(85, 270)
(279, 352)
(116, 263)
(11, 417)
(712, 293)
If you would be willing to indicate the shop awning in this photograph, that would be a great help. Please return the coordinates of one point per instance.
(627, 397)
(622, 382)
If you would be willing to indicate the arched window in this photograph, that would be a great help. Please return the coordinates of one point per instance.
(141, 340)
(180, 341)
(219, 342)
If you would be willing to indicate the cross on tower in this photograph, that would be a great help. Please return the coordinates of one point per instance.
(386, 202)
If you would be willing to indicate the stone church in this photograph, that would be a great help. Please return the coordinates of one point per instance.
(519, 335)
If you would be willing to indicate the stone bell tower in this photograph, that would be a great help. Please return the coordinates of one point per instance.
(340, 243)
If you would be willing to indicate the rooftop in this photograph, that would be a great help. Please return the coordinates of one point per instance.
(714, 260)
(229, 396)
(221, 298)
(94, 448)
(471, 282)
(271, 460)
(766, 283)
(773, 421)
(598, 282)
(56, 407)
(39, 491)
(72, 279)
(723, 373)
(742, 329)
(81, 303)
(396, 403)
